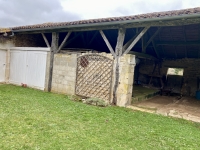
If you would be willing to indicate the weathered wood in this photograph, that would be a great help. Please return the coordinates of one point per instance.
(177, 43)
(45, 39)
(120, 41)
(154, 46)
(143, 44)
(118, 51)
(142, 55)
(153, 36)
(63, 42)
(84, 41)
(72, 39)
(107, 42)
(130, 41)
(54, 47)
(155, 49)
(136, 40)
(93, 38)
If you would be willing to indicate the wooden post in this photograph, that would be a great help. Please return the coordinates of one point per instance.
(54, 48)
(118, 52)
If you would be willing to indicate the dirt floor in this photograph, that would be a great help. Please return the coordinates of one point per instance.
(186, 108)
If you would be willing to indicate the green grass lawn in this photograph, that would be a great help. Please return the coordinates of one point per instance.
(32, 119)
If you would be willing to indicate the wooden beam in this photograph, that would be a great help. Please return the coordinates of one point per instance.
(178, 43)
(83, 40)
(92, 38)
(118, 52)
(155, 49)
(154, 46)
(142, 55)
(72, 39)
(143, 44)
(54, 47)
(153, 36)
(45, 39)
(173, 45)
(63, 42)
(136, 40)
(120, 41)
(107, 42)
(130, 41)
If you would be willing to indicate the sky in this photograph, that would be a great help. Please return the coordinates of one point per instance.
(27, 12)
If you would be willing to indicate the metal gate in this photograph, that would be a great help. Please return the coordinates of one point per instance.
(94, 76)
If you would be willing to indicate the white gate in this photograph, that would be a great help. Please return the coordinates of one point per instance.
(28, 66)
(2, 65)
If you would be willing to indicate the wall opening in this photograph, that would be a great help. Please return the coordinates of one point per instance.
(175, 71)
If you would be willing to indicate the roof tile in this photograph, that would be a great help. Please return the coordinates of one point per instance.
(113, 19)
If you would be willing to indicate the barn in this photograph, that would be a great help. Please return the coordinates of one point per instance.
(109, 58)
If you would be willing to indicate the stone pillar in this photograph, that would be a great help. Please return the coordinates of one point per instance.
(126, 79)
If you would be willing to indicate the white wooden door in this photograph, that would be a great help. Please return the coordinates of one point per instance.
(17, 67)
(36, 69)
(28, 66)
(2, 65)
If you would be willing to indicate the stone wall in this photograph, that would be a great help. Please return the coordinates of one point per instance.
(64, 74)
(22, 40)
(6, 42)
(191, 72)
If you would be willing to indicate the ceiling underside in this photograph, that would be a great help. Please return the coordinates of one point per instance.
(177, 42)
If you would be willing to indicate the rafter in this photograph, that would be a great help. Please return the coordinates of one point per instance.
(173, 40)
(154, 46)
(93, 37)
(136, 40)
(178, 43)
(45, 39)
(63, 42)
(142, 55)
(72, 39)
(107, 42)
(129, 42)
(153, 36)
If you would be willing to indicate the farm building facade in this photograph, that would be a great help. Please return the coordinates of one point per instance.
(106, 58)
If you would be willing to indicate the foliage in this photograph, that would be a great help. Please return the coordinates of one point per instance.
(96, 102)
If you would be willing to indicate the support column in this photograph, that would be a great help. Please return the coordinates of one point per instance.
(126, 79)
(118, 54)
(54, 48)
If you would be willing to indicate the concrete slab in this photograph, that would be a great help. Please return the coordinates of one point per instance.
(187, 107)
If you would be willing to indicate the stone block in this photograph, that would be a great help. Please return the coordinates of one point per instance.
(124, 100)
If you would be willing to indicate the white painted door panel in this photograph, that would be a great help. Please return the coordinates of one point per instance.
(17, 67)
(2, 65)
(28, 67)
(36, 69)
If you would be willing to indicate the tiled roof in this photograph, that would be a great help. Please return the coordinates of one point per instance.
(114, 19)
